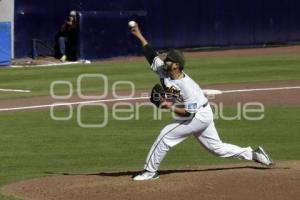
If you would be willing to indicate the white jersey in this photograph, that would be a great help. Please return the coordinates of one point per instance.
(201, 125)
(185, 90)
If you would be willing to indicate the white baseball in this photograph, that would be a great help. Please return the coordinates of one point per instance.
(132, 24)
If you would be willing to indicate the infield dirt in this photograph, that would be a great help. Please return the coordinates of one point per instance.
(234, 182)
(272, 97)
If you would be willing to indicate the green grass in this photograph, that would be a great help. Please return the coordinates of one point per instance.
(33, 144)
(2, 197)
(206, 71)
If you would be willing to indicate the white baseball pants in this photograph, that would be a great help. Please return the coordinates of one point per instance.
(203, 128)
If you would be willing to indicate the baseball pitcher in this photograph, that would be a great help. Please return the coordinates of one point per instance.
(180, 94)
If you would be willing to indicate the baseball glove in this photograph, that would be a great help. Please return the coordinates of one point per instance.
(158, 95)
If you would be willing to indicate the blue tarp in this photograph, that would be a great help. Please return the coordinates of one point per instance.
(5, 43)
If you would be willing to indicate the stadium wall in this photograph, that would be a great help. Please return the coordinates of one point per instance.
(169, 23)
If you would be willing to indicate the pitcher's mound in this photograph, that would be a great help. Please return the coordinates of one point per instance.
(234, 182)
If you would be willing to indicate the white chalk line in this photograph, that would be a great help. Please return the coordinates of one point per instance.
(14, 90)
(261, 89)
(134, 98)
(71, 103)
(53, 64)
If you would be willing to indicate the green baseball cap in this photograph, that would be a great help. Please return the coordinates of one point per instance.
(177, 56)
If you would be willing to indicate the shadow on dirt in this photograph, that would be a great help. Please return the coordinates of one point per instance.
(161, 172)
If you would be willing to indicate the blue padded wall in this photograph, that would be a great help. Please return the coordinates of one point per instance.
(106, 34)
(167, 23)
(5, 43)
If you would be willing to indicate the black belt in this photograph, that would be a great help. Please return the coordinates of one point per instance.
(204, 105)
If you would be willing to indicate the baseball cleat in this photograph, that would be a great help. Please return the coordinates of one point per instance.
(260, 156)
(63, 58)
(146, 175)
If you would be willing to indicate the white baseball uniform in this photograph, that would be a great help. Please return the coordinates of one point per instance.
(201, 125)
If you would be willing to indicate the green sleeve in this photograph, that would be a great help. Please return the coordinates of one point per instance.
(149, 53)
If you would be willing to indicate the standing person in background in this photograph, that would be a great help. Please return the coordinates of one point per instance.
(67, 37)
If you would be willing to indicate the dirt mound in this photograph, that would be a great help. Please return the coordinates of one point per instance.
(238, 181)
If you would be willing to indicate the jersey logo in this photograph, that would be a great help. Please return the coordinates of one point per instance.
(192, 106)
(173, 92)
